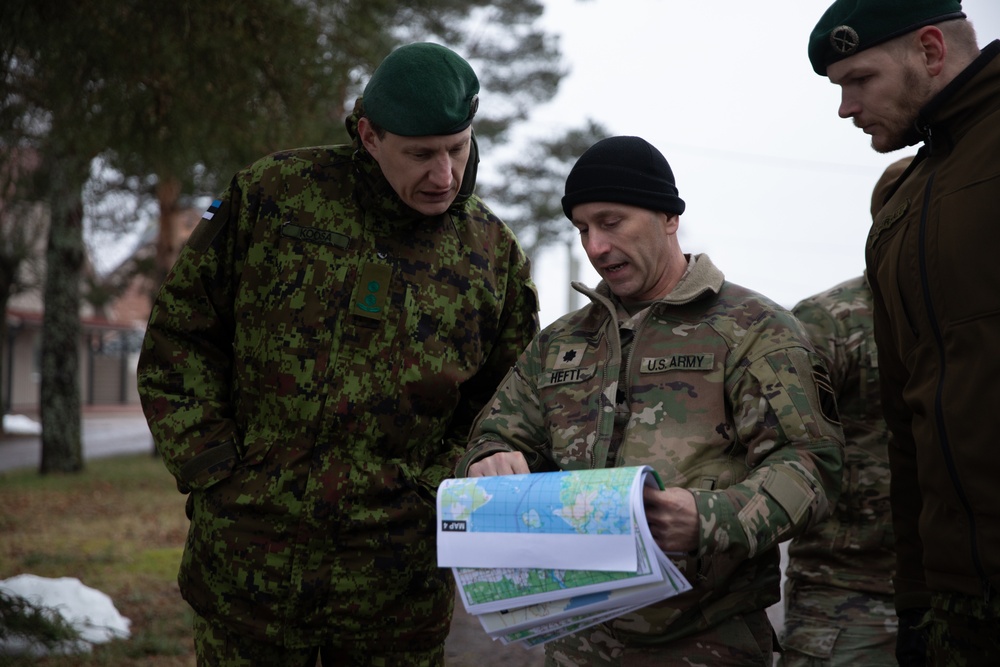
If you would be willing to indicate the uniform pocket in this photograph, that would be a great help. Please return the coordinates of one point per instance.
(815, 642)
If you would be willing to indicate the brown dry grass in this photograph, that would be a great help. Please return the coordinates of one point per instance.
(118, 527)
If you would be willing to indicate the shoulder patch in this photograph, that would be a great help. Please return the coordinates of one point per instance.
(212, 222)
(827, 397)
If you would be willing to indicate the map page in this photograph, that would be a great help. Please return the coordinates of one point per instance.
(571, 520)
(535, 604)
(499, 589)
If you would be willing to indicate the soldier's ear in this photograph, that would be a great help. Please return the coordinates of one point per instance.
(368, 136)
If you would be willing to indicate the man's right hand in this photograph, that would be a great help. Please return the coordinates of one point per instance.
(911, 642)
(501, 463)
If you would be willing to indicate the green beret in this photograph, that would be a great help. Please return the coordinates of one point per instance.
(421, 90)
(851, 26)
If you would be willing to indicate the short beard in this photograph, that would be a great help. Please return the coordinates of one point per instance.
(903, 132)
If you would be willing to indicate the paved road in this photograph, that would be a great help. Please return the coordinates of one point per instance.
(106, 431)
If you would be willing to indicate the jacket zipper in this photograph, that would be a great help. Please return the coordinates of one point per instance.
(627, 390)
(938, 396)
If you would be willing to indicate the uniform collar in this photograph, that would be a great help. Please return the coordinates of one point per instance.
(959, 103)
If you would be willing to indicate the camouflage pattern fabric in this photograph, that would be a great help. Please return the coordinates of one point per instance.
(312, 366)
(742, 640)
(217, 648)
(832, 627)
(726, 398)
(962, 631)
(840, 572)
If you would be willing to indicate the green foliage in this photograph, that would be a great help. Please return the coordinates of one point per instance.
(530, 196)
(207, 86)
(188, 91)
(22, 619)
(192, 90)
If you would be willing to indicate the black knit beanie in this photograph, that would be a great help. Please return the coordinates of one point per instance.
(625, 170)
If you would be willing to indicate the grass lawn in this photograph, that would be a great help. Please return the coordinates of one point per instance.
(119, 527)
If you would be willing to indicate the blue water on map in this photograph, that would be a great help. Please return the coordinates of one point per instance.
(548, 503)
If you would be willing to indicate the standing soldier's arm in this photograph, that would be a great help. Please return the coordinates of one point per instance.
(186, 360)
(826, 336)
(786, 418)
(513, 421)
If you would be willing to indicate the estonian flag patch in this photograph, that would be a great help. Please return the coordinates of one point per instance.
(210, 213)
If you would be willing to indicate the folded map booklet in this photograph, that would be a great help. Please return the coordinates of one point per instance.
(543, 555)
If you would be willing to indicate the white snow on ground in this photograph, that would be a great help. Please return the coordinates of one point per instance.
(90, 611)
(20, 425)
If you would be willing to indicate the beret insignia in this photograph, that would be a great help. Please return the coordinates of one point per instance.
(844, 40)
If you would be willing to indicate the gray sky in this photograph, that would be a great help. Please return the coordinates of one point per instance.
(777, 186)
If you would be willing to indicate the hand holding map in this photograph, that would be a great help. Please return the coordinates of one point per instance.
(538, 556)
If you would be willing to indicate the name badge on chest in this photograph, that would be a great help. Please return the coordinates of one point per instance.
(678, 362)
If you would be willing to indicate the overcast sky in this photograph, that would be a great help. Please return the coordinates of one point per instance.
(777, 186)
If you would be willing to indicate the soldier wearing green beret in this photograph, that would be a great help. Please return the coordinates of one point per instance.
(311, 368)
(838, 593)
(910, 72)
(713, 385)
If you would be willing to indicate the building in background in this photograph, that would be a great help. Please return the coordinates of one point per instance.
(111, 332)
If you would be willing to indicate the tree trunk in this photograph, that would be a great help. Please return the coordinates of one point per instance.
(5, 290)
(168, 192)
(62, 446)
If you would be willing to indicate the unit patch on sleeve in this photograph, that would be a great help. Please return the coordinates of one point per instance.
(212, 223)
(827, 397)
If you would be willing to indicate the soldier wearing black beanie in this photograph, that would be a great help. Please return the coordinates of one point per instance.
(625, 170)
(710, 384)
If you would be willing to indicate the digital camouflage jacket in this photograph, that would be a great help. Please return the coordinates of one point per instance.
(853, 549)
(310, 372)
(722, 398)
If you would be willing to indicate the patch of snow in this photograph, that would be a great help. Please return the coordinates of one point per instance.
(20, 425)
(89, 611)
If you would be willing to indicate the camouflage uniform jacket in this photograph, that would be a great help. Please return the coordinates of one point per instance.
(722, 399)
(310, 372)
(853, 549)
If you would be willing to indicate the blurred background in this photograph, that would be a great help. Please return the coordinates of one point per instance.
(119, 121)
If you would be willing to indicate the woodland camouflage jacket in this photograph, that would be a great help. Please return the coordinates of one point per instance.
(853, 549)
(722, 398)
(312, 366)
